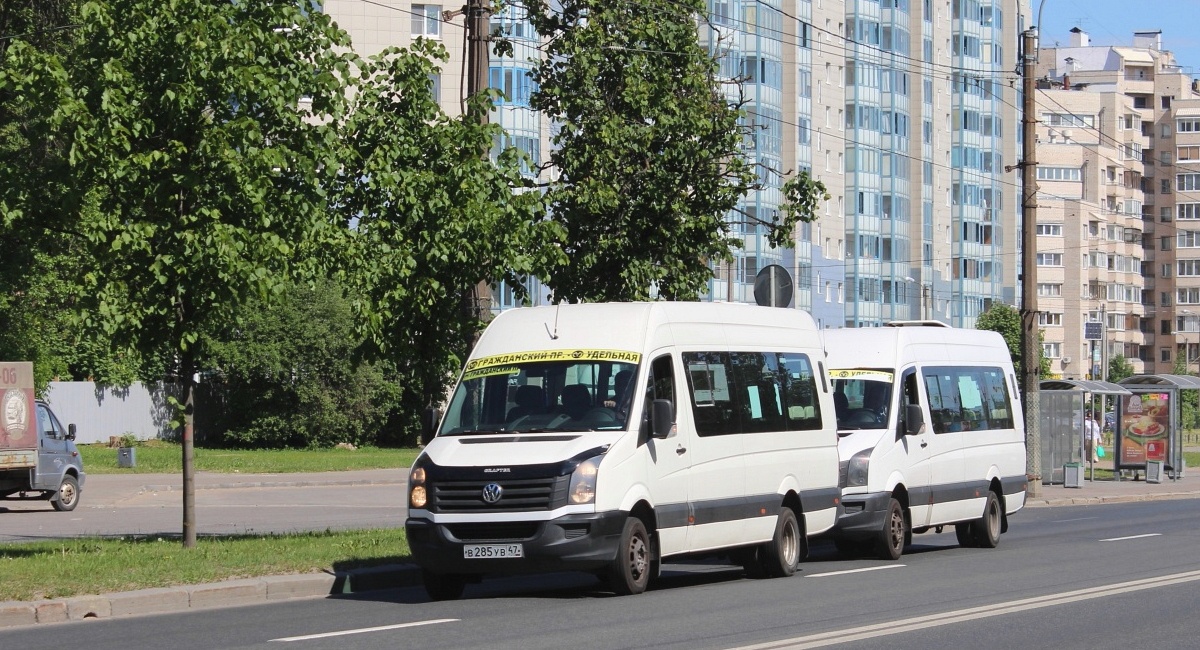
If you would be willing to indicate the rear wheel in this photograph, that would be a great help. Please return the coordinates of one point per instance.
(966, 538)
(444, 586)
(986, 529)
(781, 555)
(67, 496)
(630, 572)
(890, 543)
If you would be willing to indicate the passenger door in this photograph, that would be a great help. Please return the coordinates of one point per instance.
(716, 482)
(946, 444)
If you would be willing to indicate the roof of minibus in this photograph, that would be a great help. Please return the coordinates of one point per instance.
(641, 326)
(895, 347)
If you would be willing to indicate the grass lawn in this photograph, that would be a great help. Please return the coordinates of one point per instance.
(72, 567)
(105, 565)
(156, 457)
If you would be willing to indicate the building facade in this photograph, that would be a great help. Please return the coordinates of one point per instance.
(907, 111)
(1153, 128)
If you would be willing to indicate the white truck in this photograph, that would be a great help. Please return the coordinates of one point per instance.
(608, 438)
(38, 457)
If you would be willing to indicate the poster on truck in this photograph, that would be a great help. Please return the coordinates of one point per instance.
(18, 419)
(1144, 430)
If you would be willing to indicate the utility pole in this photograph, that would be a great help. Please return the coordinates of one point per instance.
(477, 301)
(478, 50)
(1030, 357)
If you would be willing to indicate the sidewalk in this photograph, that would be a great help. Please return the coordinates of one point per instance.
(273, 588)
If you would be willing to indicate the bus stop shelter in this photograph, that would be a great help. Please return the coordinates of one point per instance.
(1148, 426)
(1063, 406)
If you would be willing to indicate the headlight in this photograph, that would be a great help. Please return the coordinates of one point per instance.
(417, 497)
(856, 471)
(583, 482)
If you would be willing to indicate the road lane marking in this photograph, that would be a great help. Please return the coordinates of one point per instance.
(842, 573)
(1067, 521)
(364, 630)
(823, 639)
(1121, 539)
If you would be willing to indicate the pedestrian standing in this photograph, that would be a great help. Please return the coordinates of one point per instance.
(1092, 437)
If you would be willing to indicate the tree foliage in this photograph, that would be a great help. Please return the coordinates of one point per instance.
(650, 154)
(1007, 321)
(289, 375)
(1119, 368)
(429, 217)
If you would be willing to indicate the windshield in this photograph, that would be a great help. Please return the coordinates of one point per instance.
(862, 397)
(585, 394)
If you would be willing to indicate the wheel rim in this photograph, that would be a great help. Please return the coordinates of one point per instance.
(993, 522)
(639, 557)
(66, 494)
(896, 529)
(789, 545)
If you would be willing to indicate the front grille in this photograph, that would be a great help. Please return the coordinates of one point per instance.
(519, 495)
(514, 531)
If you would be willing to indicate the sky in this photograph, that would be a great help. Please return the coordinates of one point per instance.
(1113, 22)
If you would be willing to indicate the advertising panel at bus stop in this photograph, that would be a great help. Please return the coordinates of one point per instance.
(1143, 432)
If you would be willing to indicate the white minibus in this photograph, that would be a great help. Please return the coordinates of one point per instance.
(608, 437)
(931, 434)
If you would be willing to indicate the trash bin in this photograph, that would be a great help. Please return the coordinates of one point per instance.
(126, 457)
(1073, 475)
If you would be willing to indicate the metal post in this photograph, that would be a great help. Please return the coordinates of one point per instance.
(1030, 357)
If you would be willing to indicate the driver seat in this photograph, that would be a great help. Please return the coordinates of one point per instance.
(576, 400)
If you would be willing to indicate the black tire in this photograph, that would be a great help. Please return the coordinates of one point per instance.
(630, 571)
(966, 538)
(781, 555)
(67, 496)
(444, 586)
(749, 560)
(889, 545)
(986, 529)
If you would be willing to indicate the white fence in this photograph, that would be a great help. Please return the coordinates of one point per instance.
(99, 413)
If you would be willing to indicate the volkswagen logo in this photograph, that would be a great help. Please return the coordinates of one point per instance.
(492, 493)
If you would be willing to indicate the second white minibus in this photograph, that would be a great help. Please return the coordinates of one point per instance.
(931, 434)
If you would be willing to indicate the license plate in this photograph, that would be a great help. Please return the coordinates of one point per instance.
(477, 551)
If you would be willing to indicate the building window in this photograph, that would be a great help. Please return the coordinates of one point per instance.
(1047, 289)
(1049, 259)
(1052, 350)
(1050, 229)
(427, 20)
(1049, 318)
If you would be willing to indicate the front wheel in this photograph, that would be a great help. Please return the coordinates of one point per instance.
(444, 586)
(67, 496)
(986, 529)
(890, 543)
(781, 555)
(630, 572)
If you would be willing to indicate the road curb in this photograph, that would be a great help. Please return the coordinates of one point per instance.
(230, 593)
(1121, 498)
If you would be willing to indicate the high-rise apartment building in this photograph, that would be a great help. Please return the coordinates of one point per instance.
(907, 110)
(1154, 128)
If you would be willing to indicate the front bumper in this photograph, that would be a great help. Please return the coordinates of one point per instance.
(571, 542)
(861, 515)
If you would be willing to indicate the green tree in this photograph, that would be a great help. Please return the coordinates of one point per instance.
(39, 258)
(289, 375)
(198, 135)
(1119, 368)
(649, 153)
(1007, 321)
(428, 217)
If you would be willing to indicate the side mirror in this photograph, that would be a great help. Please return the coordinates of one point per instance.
(70, 432)
(914, 419)
(429, 422)
(662, 418)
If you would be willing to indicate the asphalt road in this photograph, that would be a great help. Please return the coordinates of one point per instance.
(1098, 576)
(142, 504)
